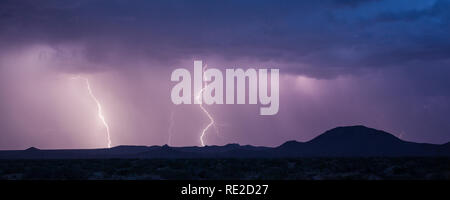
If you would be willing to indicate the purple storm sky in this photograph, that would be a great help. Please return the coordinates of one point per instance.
(382, 64)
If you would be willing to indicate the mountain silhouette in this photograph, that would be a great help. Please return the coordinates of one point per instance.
(360, 141)
(349, 141)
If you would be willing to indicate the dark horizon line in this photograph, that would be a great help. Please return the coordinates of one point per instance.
(229, 144)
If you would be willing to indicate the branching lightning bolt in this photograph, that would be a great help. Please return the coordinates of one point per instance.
(211, 119)
(99, 109)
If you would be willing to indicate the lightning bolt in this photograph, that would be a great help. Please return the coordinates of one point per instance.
(99, 109)
(211, 119)
(169, 139)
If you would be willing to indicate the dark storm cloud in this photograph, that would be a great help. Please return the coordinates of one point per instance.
(381, 63)
(322, 39)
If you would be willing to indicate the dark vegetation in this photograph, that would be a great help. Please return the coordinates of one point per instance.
(300, 168)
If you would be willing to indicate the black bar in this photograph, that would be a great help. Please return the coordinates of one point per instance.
(275, 190)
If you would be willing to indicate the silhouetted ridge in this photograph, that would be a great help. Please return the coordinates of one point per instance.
(291, 145)
(354, 134)
(357, 141)
(349, 141)
(32, 149)
(126, 149)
